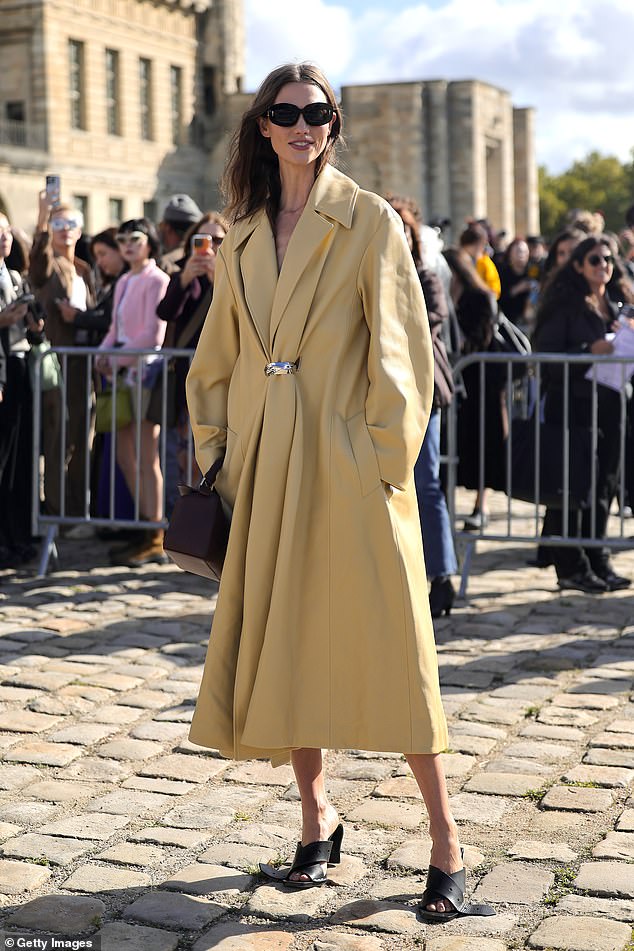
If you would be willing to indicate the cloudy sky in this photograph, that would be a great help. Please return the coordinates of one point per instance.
(571, 59)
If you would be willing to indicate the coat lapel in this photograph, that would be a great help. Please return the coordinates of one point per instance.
(258, 267)
(331, 201)
(304, 260)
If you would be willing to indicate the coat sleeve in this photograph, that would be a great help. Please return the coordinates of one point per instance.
(400, 358)
(211, 371)
(40, 259)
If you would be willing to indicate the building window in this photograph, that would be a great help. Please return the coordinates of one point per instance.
(15, 111)
(116, 210)
(145, 94)
(81, 204)
(176, 101)
(149, 210)
(112, 92)
(209, 90)
(76, 83)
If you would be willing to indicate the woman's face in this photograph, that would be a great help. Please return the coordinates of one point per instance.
(597, 267)
(134, 247)
(6, 238)
(217, 234)
(518, 256)
(108, 260)
(300, 144)
(564, 250)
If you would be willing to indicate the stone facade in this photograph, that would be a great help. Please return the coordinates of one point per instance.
(124, 141)
(133, 100)
(459, 148)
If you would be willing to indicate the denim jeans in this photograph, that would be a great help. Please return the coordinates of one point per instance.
(440, 556)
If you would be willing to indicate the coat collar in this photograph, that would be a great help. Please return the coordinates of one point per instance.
(333, 195)
(267, 293)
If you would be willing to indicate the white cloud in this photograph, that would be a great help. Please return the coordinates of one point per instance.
(571, 59)
(282, 31)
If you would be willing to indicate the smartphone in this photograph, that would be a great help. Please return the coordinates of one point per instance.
(53, 187)
(201, 243)
(25, 299)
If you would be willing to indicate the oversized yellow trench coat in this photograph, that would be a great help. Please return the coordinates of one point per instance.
(322, 634)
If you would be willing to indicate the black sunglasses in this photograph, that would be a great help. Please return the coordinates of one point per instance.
(286, 114)
(596, 259)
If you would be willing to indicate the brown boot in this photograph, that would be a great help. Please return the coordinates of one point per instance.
(121, 549)
(148, 552)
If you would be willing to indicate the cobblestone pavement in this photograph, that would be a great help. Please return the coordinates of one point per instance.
(112, 823)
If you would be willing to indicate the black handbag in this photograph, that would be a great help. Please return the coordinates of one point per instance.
(197, 535)
(582, 463)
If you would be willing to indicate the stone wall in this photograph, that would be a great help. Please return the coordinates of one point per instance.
(456, 147)
(459, 148)
(92, 163)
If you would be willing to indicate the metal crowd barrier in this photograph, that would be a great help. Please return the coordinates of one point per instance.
(523, 400)
(47, 524)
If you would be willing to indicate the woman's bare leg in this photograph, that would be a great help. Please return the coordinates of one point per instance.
(445, 853)
(319, 817)
(126, 455)
(151, 475)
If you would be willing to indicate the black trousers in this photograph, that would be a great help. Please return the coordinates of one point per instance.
(570, 560)
(16, 456)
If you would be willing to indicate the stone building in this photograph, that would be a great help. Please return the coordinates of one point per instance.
(460, 148)
(125, 99)
(133, 100)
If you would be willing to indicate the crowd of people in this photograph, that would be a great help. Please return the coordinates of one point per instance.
(566, 295)
(133, 286)
(138, 285)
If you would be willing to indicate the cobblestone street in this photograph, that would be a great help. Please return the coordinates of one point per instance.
(112, 823)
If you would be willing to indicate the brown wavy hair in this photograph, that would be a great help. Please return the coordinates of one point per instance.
(252, 176)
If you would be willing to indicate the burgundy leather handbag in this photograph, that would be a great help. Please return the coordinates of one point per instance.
(196, 537)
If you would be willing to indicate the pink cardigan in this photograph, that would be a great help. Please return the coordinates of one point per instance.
(134, 317)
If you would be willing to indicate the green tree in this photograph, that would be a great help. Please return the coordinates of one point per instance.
(597, 183)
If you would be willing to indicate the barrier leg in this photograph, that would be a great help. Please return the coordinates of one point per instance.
(48, 548)
(466, 568)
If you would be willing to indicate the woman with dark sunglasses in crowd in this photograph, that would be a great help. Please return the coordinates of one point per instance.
(312, 385)
(574, 315)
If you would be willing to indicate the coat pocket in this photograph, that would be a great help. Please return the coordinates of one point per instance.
(229, 475)
(364, 453)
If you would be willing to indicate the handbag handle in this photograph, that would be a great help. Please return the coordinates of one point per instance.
(210, 476)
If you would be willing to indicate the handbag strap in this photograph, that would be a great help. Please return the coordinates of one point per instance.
(210, 476)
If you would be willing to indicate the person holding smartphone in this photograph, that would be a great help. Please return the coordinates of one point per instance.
(57, 274)
(184, 307)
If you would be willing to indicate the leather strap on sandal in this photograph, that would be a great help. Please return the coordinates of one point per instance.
(444, 887)
(307, 861)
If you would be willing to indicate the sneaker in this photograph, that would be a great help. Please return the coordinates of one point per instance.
(585, 581)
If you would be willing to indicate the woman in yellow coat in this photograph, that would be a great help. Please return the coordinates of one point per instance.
(313, 379)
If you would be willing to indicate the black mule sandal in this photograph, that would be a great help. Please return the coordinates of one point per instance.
(308, 861)
(444, 887)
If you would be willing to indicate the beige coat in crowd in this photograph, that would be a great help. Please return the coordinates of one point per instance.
(322, 635)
